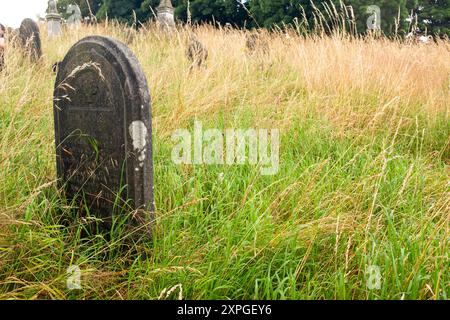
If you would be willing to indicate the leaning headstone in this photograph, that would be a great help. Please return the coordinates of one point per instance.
(104, 131)
(196, 52)
(30, 39)
(53, 20)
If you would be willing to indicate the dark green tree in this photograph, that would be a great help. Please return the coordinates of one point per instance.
(392, 19)
(269, 13)
(121, 10)
(85, 12)
(219, 11)
(434, 16)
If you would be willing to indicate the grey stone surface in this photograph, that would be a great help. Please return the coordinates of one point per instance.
(53, 28)
(54, 20)
(30, 39)
(103, 130)
(165, 13)
(52, 7)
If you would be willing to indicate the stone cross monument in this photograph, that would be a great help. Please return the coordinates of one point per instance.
(53, 20)
(165, 13)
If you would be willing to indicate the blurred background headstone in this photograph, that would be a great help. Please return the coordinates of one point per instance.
(53, 20)
(75, 17)
(165, 12)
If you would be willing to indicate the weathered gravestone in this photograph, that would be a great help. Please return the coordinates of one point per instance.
(30, 39)
(103, 130)
(165, 14)
(196, 52)
(53, 20)
(75, 17)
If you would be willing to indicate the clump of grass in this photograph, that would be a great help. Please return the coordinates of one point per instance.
(363, 177)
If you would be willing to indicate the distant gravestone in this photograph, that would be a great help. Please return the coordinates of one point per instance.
(165, 14)
(103, 129)
(30, 39)
(196, 52)
(53, 20)
(75, 17)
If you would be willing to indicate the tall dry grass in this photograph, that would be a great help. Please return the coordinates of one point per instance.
(363, 178)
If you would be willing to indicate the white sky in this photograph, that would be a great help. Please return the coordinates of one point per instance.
(12, 12)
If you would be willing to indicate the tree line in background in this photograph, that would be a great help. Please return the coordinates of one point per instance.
(431, 16)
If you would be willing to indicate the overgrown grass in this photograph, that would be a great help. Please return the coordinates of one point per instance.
(363, 179)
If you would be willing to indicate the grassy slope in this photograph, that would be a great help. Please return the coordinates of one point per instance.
(363, 176)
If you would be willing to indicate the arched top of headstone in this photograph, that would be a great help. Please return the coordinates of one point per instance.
(30, 38)
(112, 55)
